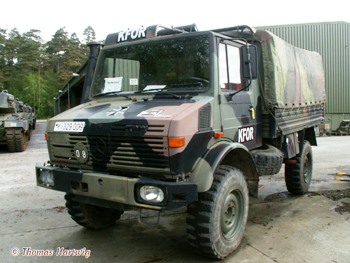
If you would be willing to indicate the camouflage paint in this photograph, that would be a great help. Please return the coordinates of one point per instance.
(293, 77)
(136, 136)
(123, 140)
(293, 84)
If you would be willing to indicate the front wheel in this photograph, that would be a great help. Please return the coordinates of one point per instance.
(216, 222)
(298, 175)
(91, 216)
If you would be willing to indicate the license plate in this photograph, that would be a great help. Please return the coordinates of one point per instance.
(69, 126)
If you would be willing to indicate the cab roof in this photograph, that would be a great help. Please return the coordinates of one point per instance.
(243, 31)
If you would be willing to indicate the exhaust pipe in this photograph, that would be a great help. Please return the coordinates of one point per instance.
(94, 51)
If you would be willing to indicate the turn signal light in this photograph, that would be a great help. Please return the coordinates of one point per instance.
(218, 135)
(46, 136)
(176, 142)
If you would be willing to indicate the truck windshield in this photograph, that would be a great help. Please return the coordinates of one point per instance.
(177, 64)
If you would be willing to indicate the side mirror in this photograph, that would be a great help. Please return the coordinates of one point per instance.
(249, 61)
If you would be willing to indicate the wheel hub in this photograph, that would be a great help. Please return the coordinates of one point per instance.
(231, 214)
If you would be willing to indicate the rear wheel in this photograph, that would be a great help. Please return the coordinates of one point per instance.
(298, 174)
(216, 222)
(91, 216)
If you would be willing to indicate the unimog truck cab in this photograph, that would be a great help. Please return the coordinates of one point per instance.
(174, 117)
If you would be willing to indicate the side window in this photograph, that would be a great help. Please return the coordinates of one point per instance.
(229, 68)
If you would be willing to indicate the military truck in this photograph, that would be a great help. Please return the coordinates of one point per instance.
(17, 121)
(176, 117)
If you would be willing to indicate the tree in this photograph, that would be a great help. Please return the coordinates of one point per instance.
(89, 34)
(21, 56)
(34, 71)
(76, 54)
(3, 41)
(9, 57)
(29, 53)
(65, 55)
(56, 49)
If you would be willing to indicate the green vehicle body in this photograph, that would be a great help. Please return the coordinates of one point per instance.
(171, 110)
(17, 121)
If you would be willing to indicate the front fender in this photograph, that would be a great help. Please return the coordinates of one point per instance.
(203, 173)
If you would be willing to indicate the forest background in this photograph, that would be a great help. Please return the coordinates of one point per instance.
(34, 70)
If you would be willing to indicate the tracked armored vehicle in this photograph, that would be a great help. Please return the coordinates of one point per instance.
(175, 117)
(16, 122)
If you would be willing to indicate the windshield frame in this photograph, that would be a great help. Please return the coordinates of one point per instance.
(196, 85)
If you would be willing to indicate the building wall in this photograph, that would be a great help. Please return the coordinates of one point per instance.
(332, 41)
(73, 89)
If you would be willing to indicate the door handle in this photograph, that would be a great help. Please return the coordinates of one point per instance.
(252, 110)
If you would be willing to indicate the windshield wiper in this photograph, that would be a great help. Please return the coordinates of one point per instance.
(161, 90)
(113, 93)
(191, 82)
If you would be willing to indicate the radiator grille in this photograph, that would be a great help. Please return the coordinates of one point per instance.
(126, 147)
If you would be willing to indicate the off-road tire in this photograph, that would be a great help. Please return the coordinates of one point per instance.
(11, 141)
(298, 175)
(21, 142)
(17, 141)
(29, 134)
(268, 160)
(91, 216)
(216, 222)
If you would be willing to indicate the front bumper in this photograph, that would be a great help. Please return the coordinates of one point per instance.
(116, 189)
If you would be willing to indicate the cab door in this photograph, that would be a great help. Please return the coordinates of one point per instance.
(240, 101)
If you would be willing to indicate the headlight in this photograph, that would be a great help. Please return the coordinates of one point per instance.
(151, 193)
(46, 178)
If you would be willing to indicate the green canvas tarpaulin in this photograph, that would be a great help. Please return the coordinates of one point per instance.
(293, 77)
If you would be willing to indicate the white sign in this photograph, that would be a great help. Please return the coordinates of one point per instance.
(131, 34)
(246, 134)
(133, 82)
(69, 126)
(154, 87)
(113, 84)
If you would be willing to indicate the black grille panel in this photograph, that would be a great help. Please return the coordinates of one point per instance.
(121, 128)
(124, 149)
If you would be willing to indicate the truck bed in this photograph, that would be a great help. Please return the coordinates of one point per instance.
(293, 77)
(293, 86)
